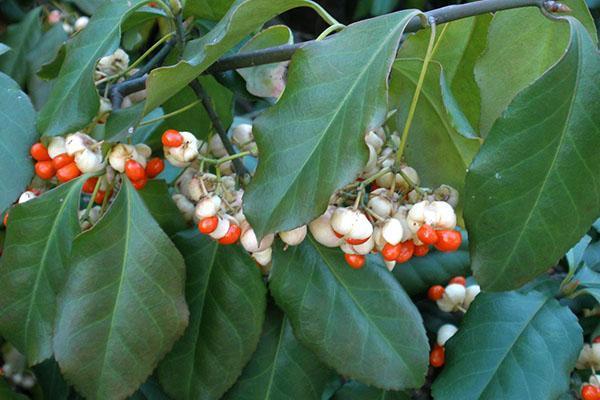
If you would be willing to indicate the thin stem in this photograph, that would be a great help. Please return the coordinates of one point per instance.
(330, 30)
(415, 99)
(169, 115)
(375, 176)
(225, 159)
(86, 214)
(322, 12)
(238, 165)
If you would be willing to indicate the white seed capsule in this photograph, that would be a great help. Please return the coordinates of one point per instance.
(390, 265)
(343, 219)
(208, 207)
(143, 150)
(119, 154)
(81, 23)
(216, 147)
(364, 248)
(26, 196)
(250, 242)
(77, 142)
(185, 206)
(263, 257)
(222, 228)
(454, 295)
(378, 239)
(585, 356)
(371, 138)
(184, 154)
(362, 228)
(381, 206)
(445, 332)
(226, 168)
(371, 165)
(595, 355)
(195, 189)
(27, 382)
(446, 218)
(347, 248)
(401, 184)
(295, 236)
(392, 231)
(321, 230)
(470, 294)
(385, 181)
(57, 146)
(242, 134)
(89, 161)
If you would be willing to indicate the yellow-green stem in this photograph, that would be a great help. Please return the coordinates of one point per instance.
(169, 115)
(330, 30)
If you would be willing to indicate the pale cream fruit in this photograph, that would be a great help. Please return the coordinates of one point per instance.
(67, 28)
(119, 154)
(347, 248)
(371, 166)
(89, 161)
(390, 265)
(182, 183)
(372, 139)
(378, 239)
(250, 242)
(343, 219)
(54, 17)
(364, 248)
(362, 228)
(401, 184)
(242, 135)
(470, 294)
(195, 189)
(78, 141)
(446, 218)
(143, 150)
(448, 194)
(454, 295)
(595, 355)
(57, 146)
(216, 147)
(81, 23)
(184, 154)
(185, 206)
(445, 332)
(208, 207)
(321, 230)
(421, 213)
(26, 196)
(264, 257)
(584, 360)
(226, 168)
(295, 236)
(392, 231)
(175, 161)
(222, 228)
(380, 205)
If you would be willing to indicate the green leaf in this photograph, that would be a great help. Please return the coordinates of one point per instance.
(212, 10)
(514, 58)
(281, 367)
(354, 390)
(51, 69)
(534, 189)
(380, 7)
(51, 381)
(150, 390)
(441, 143)
(511, 346)
(17, 118)
(123, 305)
(420, 273)
(592, 255)
(158, 200)
(243, 18)
(21, 38)
(360, 322)
(6, 393)
(266, 80)
(3, 48)
(74, 99)
(312, 140)
(34, 266)
(88, 6)
(227, 300)
(457, 49)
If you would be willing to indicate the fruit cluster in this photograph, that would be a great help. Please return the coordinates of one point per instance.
(437, 357)
(456, 296)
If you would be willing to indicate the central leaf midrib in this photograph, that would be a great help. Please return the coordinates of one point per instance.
(275, 358)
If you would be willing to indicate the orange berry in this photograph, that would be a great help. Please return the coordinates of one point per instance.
(90, 185)
(99, 199)
(460, 280)
(208, 225)
(448, 240)
(437, 357)
(355, 242)
(596, 339)
(435, 292)
(407, 250)
(421, 250)
(134, 170)
(389, 252)
(61, 160)
(139, 185)
(154, 167)
(232, 235)
(427, 234)
(355, 261)
(172, 138)
(590, 392)
(39, 152)
(44, 169)
(68, 172)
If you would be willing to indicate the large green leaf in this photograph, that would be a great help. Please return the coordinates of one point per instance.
(6, 393)
(360, 322)
(312, 140)
(281, 368)
(243, 18)
(212, 10)
(51, 381)
(441, 143)
(354, 390)
(17, 134)
(534, 189)
(420, 273)
(457, 48)
(74, 99)
(34, 267)
(21, 38)
(227, 300)
(123, 305)
(511, 346)
(522, 45)
(158, 200)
